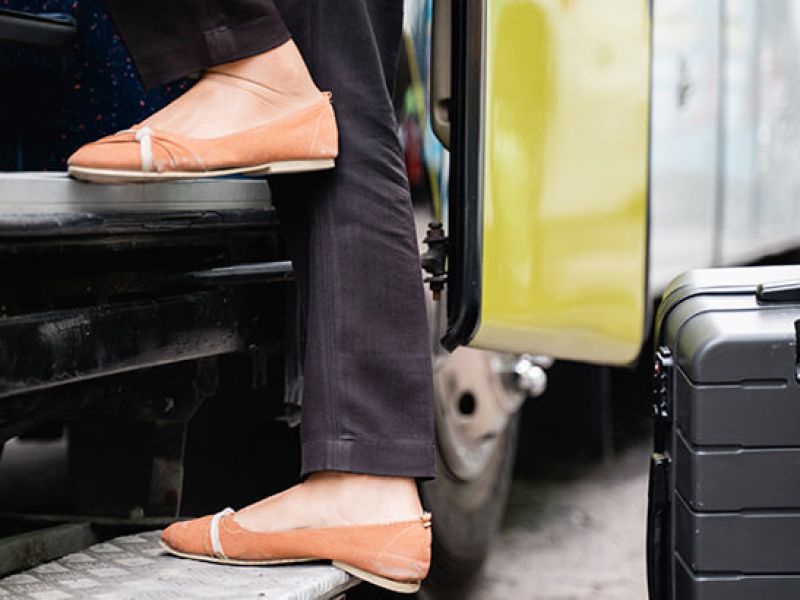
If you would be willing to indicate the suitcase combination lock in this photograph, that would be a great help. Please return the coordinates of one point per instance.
(662, 407)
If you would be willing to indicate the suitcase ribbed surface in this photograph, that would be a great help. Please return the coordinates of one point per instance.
(733, 492)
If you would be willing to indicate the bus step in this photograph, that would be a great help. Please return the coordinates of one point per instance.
(136, 567)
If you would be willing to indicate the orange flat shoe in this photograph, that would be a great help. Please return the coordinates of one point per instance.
(395, 556)
(306, 140)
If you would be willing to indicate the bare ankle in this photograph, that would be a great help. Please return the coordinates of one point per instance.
(361, 479)
(241, 95)
(389, 498)
(280, 68)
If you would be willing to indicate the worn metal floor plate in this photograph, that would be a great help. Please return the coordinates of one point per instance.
(135, 567)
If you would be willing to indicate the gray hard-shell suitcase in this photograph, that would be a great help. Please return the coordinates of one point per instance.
(724, 515)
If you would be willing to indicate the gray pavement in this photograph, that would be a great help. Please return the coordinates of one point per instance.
(579, 538)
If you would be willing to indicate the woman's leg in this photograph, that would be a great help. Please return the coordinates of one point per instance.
(368, 393)
(367, 430)
(368, 403)
(368, 399)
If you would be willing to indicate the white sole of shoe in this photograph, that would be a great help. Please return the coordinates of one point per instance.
(388, 584)
(400, 587)
(274, 168)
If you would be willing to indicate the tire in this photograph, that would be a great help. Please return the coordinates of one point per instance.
(466, 518)
(467, 500)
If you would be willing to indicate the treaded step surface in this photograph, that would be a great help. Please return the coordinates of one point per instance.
(135, 567)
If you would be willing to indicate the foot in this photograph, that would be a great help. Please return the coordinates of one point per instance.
(240, 95)
(371, 527)
(333, 499)
(261, 115)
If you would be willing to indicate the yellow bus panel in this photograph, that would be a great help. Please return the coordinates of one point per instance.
(565, 187)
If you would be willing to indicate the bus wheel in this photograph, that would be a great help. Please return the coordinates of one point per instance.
(476, 425)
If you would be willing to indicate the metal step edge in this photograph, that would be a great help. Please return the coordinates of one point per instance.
(47, 193)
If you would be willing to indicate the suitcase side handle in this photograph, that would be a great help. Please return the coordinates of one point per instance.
(659, 541)
(780, 291)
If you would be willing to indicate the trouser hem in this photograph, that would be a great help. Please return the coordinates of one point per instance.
(401, 459)
(216, 46)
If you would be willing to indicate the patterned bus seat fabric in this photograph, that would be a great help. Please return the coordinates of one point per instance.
(55, 102)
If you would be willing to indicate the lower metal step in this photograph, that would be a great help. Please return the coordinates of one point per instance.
(135, 567)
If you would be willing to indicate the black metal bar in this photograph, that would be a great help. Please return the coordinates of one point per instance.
(47, 30)
(247, 274)
(466, 175)
(26, 225)
(98, 521)
(166, 480)
(48, 349)
(32, 548)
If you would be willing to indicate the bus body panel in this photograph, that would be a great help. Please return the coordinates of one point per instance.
(565, 188)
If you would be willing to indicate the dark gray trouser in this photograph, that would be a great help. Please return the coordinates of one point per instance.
(368, 402)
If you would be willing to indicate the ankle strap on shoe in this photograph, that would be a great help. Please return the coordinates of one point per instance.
(145, 138)
(213, 530)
